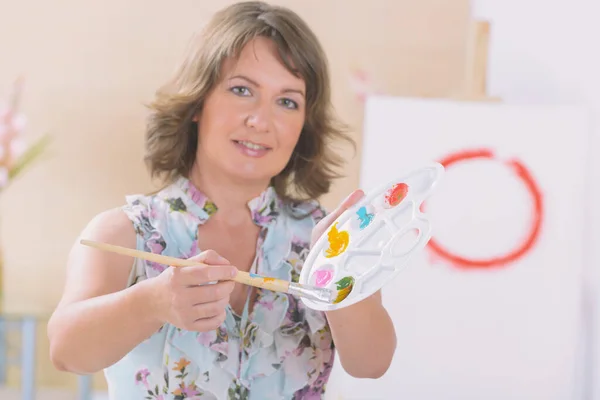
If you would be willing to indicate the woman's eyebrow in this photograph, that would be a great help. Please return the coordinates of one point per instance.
(253, 82)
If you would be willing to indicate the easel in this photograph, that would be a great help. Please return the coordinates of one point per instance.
(476, 66)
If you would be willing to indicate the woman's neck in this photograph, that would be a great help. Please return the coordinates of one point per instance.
(229, 196)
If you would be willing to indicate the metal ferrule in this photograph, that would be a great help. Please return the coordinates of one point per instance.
(311, 292)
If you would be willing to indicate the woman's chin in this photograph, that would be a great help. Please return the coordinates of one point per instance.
(251, 176)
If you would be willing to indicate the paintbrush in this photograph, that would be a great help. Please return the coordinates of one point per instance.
(274, 284)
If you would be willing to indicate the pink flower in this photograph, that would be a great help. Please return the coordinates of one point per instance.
(207, 338)
(197, 196)
(320, 360)
(188, 391)
(261, 219)
(142, 376)
(268, 304)
(191, 391)
(155, 246)
(192, 251)
(221, 347)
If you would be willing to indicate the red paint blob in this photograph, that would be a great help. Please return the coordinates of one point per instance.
(396, 194)
(533, 231)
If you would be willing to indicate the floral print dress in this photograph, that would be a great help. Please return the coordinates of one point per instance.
(281, 350)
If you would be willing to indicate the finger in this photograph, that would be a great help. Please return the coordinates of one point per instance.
(348, 202)
(210, 257)
(195, 295)
(209, 324)
(351, 200)
(203, 274)
(208, 310)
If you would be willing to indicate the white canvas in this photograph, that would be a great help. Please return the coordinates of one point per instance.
(509, 332)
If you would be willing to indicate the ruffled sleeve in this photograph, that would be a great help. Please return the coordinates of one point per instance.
(142, 211)
(136, 209)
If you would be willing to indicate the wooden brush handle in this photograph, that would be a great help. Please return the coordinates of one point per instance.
(276, 285)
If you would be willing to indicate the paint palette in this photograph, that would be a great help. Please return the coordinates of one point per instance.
(367, 246)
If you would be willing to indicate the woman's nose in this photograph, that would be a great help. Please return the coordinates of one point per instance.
(259, 118)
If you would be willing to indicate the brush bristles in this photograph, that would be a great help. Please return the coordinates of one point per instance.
(311, 292)
(344, 286)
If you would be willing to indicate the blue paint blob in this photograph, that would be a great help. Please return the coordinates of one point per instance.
(254, 275)
(364, 217)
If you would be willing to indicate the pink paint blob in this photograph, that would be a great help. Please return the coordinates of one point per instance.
(323, 277)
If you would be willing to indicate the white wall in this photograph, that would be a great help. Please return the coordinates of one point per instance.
(543, 50)
(546, 51)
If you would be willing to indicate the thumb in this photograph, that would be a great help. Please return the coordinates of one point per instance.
(351, 200)
(348, 202)
(326, 222)
(210, 257)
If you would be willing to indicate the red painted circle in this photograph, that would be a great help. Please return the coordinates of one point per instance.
(533, 230)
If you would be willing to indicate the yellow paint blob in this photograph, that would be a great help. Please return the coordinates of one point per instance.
(338, 242)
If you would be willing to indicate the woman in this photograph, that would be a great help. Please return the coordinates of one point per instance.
(239, 137)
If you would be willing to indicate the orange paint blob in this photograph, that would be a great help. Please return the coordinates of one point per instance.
(396, 194)
(338, 242)
(268, 279)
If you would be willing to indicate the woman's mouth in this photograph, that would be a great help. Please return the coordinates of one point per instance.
(251, 149)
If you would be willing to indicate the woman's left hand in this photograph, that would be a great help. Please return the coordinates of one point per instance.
(326, 222)
(363, 333)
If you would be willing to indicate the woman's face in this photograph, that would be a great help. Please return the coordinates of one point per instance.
(251, 121)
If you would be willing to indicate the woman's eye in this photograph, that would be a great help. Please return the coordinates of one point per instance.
(240, 90)
(291, 104)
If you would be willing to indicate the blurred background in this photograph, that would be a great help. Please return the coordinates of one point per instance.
(503, 304)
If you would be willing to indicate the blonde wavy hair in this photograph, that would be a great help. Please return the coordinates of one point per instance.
(172, 136)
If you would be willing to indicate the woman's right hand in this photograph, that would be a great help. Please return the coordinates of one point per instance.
(189, 300)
